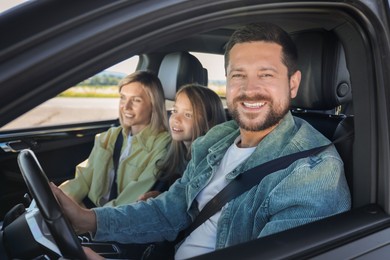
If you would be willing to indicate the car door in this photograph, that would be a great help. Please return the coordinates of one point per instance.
(59, 149)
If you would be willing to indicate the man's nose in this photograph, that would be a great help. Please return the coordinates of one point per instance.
(251, 84)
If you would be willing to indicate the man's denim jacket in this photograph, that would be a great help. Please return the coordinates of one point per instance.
(308, 190)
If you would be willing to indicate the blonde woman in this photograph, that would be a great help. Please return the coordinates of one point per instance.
(143, 130)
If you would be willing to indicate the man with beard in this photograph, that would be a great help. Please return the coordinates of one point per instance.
(262, 78)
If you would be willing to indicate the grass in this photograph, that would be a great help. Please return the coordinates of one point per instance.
(91, 91)
(112, 91)
(219, 89)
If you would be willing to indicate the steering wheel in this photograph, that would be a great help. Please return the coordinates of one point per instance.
(48, 206)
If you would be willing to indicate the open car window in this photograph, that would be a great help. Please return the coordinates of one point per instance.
(94, 99)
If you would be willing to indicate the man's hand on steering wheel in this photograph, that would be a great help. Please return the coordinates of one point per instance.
(83, 220)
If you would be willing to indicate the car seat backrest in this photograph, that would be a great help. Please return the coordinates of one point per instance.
(325, 82)
(178, 69)
(325, 87)
(345, 147)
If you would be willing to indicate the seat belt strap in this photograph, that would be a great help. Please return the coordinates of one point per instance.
(250, 178)
(115, 158)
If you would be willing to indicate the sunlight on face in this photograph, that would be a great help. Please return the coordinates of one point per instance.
(135, 107)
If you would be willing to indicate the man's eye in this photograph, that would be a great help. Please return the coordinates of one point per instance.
(173, 111)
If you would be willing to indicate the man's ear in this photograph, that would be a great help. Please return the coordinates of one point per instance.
(295, 80)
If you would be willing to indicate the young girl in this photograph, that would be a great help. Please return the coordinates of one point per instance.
(196, 110)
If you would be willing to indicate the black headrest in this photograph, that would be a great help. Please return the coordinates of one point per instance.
(178, 69)
(325, 80)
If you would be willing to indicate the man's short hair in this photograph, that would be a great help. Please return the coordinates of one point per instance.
(266, 32)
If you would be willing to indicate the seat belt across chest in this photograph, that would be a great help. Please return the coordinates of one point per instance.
(248, 179)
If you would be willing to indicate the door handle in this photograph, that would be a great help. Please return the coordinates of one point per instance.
(14, 146)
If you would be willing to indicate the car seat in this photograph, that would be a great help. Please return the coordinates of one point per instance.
(178, 69)
(325, 92)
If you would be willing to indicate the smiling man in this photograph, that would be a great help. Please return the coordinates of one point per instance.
(262, 78)
(259, 88)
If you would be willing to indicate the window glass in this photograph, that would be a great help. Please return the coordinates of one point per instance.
(214, 63)
(93, 99)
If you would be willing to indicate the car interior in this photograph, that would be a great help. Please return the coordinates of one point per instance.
(322, 101)
(325, 102)
(333, 76)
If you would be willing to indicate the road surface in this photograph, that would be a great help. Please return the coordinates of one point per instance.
(60, 110)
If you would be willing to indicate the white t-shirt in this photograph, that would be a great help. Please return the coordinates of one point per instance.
(202, 240)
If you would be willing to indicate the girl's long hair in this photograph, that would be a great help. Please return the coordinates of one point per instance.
(208, 111)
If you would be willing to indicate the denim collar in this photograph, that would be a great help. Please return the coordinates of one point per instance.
(272, 146)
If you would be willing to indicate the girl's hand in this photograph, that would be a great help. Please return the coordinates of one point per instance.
(149, 194)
